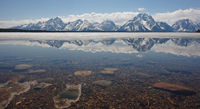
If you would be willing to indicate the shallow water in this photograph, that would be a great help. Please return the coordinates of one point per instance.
(141, 59)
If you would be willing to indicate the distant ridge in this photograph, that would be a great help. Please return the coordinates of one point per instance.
(198, 31)
(21, 30)
(141, 23)
(186, 25)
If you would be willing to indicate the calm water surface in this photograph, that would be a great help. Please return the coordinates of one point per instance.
(63, 70)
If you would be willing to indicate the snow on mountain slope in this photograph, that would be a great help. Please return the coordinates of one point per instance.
(185, 25)
(133, 26)
(165, 27)
(55, 24)
(107, 25)
(78, 25)
(144, 22)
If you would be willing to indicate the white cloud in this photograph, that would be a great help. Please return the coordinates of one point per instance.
(7, 24)
(118, 17)
(172, 17)
(172, 48)
(141, 9)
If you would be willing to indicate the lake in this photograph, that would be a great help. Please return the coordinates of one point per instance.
(99, 70)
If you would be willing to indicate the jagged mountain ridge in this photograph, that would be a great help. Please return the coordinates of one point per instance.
(186, 25)
(145, 22)
(53, 24)
(107, 25)
(140, 23)
(78, 25)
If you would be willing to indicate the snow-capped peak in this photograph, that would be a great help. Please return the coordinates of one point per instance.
(143, 17)
(107, 25)
(185, 25)
(144, 22)
(78, 25)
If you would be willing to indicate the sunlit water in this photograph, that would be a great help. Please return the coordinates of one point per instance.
(139, 60)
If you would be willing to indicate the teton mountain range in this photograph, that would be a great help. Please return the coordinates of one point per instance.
(141, 23)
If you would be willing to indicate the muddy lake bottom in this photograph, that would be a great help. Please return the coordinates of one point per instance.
(131, 82)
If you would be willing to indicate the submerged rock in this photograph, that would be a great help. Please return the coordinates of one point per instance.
(103, 82)
(107, 72)
(19, 78)
(176, 89)
(71, 94)
(22, 67)
(35, 72)
(83, 73)
(68, 95)
(111, 69)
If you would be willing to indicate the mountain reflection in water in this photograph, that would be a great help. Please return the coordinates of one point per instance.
(140, 44)
(100, 72)
(129, 45)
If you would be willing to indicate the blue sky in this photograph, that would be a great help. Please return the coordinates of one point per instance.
(34, 10)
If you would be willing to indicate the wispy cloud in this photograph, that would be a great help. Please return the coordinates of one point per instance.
(7, 24)
(119, 18)
(141, 9)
